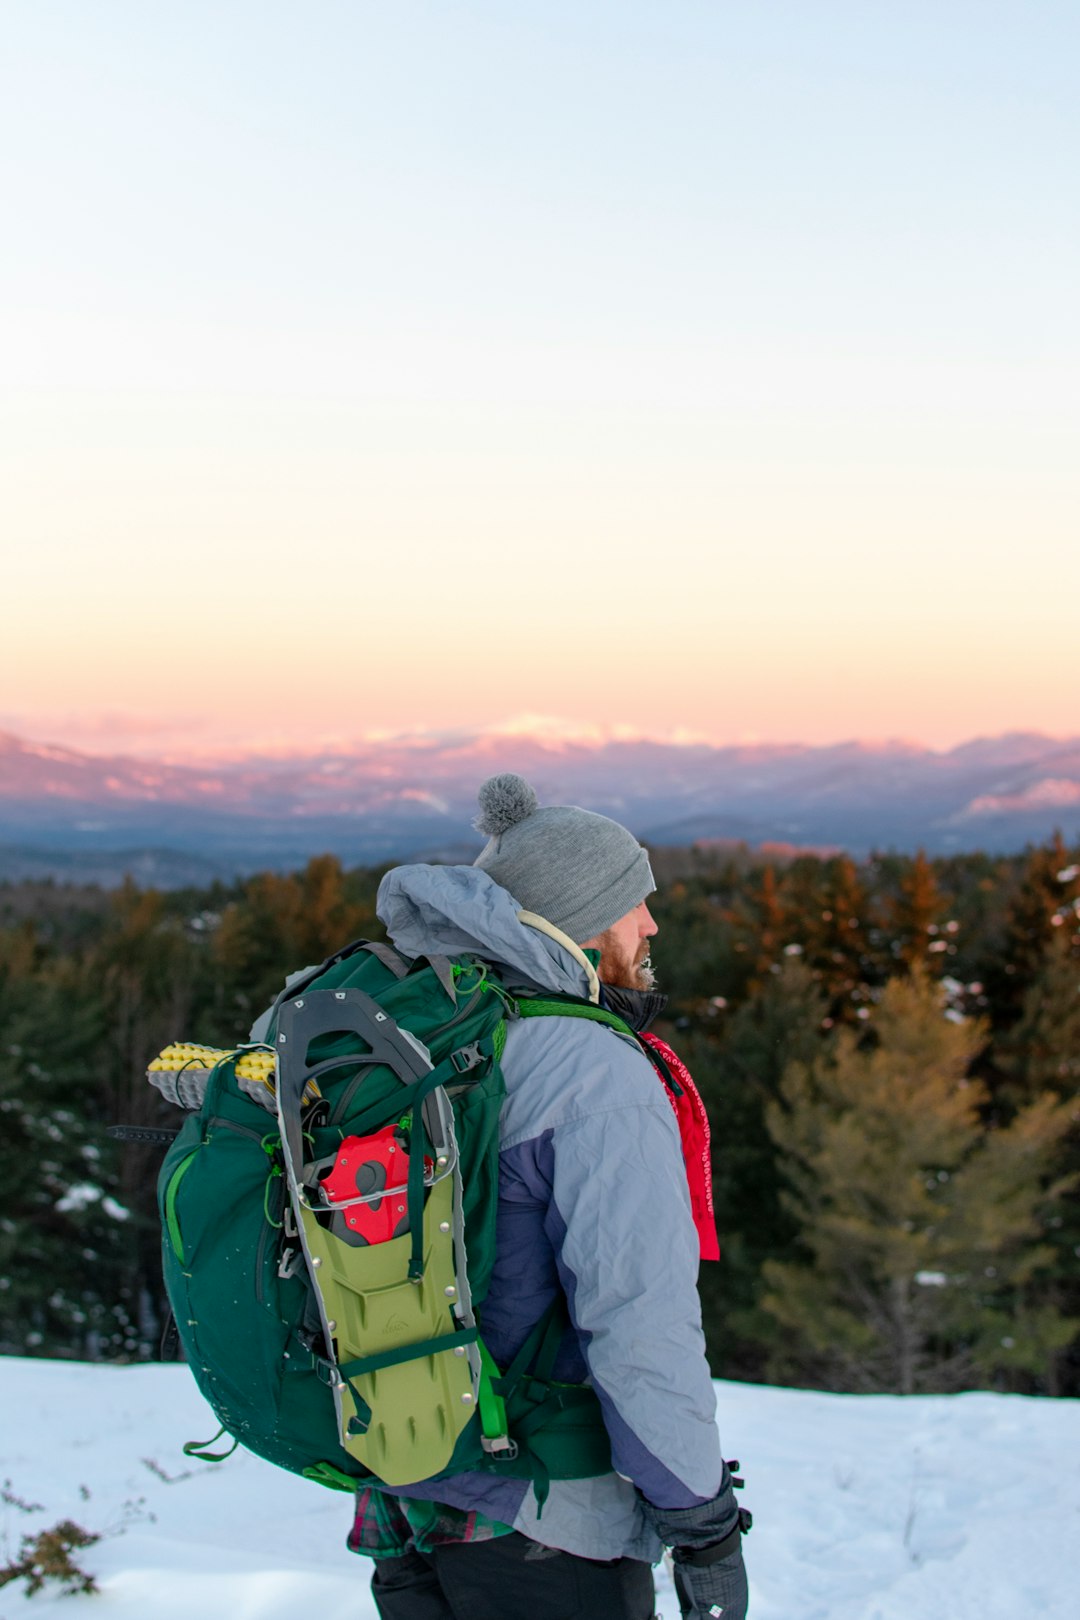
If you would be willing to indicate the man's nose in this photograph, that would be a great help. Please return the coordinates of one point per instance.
(648, 926)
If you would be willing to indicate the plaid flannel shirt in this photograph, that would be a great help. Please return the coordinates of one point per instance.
(387, 1526)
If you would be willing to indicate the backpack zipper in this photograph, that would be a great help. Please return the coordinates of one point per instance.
(260, 1254)
(171, 1220)
(230, 1125)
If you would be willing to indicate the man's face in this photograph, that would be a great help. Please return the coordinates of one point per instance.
(624, 950)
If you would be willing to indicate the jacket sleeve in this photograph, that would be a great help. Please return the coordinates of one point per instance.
(627, 1254)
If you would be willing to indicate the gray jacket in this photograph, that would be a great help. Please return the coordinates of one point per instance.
(593, 1201)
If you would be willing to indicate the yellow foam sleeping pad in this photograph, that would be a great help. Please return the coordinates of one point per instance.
(180, 1072)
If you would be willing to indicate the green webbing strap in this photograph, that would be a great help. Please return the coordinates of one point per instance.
(492, 1405)
(360, 1421)
(324, 1369)
(557, 1322)
(556, 1007)
(557, 1397)
(524, 1358)
(532, 1365)
(541, 1482)
(414, 1195)
(527, 1388)
(406, 1352)
(560, 1398)
(201, 1448)
(412, 1097)
(325, 1473)
(444, 1073)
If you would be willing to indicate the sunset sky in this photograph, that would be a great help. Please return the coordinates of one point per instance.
(689, 366)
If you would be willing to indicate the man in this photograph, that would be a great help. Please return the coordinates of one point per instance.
(593, 1206)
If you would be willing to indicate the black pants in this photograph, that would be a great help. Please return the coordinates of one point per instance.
(510, 1578)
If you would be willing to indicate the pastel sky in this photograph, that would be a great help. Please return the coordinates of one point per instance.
(693, 366)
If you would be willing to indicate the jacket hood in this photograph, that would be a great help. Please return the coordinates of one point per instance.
(460, 910)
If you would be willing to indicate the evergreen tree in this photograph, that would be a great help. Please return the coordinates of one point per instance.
(770, 926)
(700, 952)
(1044, 901)
(914, 916)
(916, 1224)
(1009, 1308)
(1041, 1052)
(63, 1230)
(838, 927)
(738, 1074)
(1040, 1057)
(279, 925)
(91, 985)
(151, 979)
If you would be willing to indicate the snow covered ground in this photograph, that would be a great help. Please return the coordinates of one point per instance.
(867, 1508)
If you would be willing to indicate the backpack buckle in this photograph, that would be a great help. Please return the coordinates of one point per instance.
(501, 1448)
(467, 1057)
(291, 1262)
(326, 1372)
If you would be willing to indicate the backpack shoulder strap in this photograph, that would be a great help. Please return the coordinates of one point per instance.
(555, 1006)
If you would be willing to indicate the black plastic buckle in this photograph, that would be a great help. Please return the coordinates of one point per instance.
(325, 1371)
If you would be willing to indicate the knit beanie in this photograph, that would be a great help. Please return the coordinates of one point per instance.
(580, 870)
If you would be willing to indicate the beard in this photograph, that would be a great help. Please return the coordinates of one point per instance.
(622, 969)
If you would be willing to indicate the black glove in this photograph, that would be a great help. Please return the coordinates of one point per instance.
(706, 1544)
(711, 1581)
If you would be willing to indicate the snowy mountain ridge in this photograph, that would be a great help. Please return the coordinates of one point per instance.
(390, 798)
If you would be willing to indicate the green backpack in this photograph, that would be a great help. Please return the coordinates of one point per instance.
(315, 1259)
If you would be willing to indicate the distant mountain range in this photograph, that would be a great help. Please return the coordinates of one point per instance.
(81, 817)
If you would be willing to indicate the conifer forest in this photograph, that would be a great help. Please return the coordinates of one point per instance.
(889, 1052)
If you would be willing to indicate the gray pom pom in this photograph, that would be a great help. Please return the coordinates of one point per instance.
(504, 801)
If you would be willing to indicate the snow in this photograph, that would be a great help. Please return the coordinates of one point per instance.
(77, 1198)
(963, 1507)
(85, 1193)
